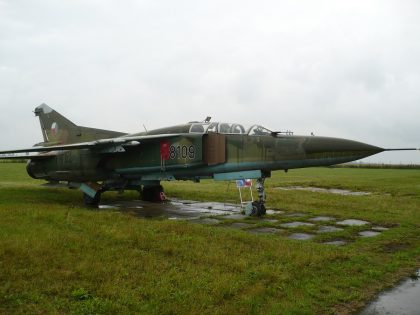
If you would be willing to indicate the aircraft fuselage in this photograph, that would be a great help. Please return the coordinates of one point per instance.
(196, 156)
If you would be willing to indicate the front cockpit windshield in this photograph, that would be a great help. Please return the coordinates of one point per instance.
(229, 128)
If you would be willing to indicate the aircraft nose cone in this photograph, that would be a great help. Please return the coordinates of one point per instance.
(338, 150)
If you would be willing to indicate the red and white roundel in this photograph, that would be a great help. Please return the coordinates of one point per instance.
(54, 128)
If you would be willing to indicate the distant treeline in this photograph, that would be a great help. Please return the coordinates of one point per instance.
(379, 166)
(13, 161)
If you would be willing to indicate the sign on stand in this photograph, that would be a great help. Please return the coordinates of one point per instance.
(244, 184)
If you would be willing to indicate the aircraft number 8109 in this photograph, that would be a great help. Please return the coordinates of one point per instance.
(181, 152)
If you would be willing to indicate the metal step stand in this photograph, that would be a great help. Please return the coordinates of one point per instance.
(245, 205)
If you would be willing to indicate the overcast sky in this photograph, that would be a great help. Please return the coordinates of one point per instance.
(346, 69)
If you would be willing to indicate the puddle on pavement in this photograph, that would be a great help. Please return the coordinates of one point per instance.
(403, 299)
(108, 207)
(175, 209)
(342, 192)
(353, 222)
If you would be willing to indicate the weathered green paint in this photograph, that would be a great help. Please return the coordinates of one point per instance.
(242, 153)
(126, 164)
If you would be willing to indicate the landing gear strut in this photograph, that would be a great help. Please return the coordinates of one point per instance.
(258, 207)
(92, 201)
(153, 193)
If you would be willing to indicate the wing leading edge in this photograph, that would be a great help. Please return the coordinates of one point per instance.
(113, 145)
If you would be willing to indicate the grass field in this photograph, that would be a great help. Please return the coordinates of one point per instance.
(57, 257)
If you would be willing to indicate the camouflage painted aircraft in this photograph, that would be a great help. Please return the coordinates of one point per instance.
(96, 160)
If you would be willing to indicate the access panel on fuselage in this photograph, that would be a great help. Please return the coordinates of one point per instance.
(214, 148)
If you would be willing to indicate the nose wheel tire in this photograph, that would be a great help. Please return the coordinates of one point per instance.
(258, 209)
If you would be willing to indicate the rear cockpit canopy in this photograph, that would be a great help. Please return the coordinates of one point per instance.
(228, 128)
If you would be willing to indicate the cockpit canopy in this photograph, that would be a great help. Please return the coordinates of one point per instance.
(228, 128)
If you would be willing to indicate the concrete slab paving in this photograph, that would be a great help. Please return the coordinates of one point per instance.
(329, 229)
(296, 224)
(369, 233)
(322, 219)
(213, 213)
(353, 222)
(174, 209)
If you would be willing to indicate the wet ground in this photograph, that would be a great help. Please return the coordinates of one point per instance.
(293, 225)
(403, 299)
(176, 209)
(300, 226)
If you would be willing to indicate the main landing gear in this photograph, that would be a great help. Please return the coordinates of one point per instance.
(153, 193)
(92, 201)
(258, 207)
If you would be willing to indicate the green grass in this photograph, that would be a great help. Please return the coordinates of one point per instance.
(58, 257)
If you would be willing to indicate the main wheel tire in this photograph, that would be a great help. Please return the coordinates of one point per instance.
(92, 202)
(146, 193)
(153, 193)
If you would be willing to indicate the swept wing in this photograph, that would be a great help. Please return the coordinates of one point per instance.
(112, 145)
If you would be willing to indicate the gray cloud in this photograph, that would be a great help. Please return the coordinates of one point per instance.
(346, 69)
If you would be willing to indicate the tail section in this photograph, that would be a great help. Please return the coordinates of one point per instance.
(57, 129)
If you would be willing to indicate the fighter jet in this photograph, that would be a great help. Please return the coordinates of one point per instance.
(96, 160)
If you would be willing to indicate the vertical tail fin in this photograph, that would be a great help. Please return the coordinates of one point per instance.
(57, 129)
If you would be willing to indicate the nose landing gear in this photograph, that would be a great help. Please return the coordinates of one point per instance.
(257, 208)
